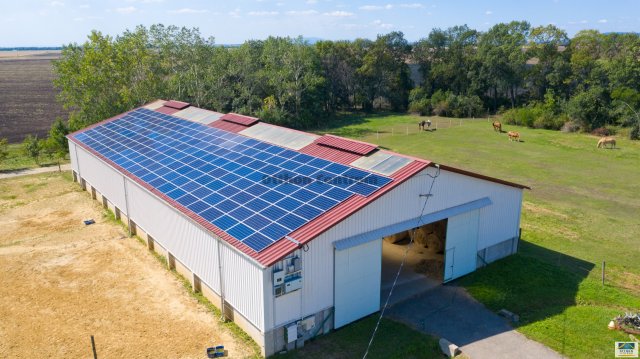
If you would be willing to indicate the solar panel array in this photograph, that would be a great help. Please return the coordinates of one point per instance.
(254, 191)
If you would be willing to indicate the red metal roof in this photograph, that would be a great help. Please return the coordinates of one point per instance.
(239, 119)
(227, 126)
(166, 110)
(329, 153)
(345, 144)
(178, 105)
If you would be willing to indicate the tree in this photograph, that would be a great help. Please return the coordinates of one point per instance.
(501, 52)
(32, 147)
(4, 149)
(590, 107)
(56, 146)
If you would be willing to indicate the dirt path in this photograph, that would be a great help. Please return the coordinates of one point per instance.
(63, 281)
(33, 171)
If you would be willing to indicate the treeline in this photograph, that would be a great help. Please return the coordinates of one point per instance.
(545, 78)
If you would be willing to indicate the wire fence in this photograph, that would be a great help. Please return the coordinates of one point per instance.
(407, 129)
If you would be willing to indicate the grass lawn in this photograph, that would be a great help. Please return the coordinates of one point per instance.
(17, 160)
(393, 340)
(584, 208)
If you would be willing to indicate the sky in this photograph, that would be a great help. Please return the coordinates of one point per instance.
(59, 22)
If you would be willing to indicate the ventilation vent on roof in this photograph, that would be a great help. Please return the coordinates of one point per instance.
(239, 119)
(178, 105)
(357, 147)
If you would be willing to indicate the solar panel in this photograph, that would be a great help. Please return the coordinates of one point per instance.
(255, 191)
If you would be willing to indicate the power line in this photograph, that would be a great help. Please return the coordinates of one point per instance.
(404, 257)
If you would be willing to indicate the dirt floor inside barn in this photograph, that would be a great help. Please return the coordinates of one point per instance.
(63, 281)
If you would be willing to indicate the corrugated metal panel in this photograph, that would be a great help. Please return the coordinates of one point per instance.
(243, 286)
(155, 105)
(198, 115)
(106, 179)
(366, 162)
(411, 223)
(228, 126)
(391, 165)
(167, 110)
(345, 144)
(239, 119)
(280, 136)
(178, 105)
(329, 153)
(72, 156)
(191, 245)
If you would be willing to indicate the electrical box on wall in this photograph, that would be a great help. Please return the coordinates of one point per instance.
(278, 278)
(287, 275)
(292, 285)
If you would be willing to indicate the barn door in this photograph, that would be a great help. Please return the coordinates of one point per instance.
(357, 282)
(461, 245)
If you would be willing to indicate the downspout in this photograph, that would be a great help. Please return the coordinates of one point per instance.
(222, 300)
(126, 203)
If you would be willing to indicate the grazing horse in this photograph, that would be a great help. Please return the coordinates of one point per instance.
(514, 136)
(421, 125)
(497, 126)
(603, 142)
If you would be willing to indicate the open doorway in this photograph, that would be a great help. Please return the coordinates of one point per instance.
(424, 264)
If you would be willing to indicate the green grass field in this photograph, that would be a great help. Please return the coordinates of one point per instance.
(17, 160)
(394, 340)
(584, 208)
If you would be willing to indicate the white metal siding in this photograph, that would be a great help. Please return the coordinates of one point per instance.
(72, 156)
(461, 245)
(192, 245)
(357, 282)
(103, 177)
(498, 222)
(243, 286)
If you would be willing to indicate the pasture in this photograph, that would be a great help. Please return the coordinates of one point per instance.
(582, 210)
(28, 103)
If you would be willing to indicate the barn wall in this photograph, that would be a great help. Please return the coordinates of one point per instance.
(498, 222)
(193, 247)
(72, 156)
(103, 177)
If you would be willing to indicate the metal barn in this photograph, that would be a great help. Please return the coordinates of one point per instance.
(287, 232)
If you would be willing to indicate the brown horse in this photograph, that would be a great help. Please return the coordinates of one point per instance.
(603, 142)
(497, 126)
(514, 136)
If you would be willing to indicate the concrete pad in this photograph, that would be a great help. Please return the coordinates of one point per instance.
(448, 311)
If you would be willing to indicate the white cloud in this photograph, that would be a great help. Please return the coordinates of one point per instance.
(578, 22)
(312, 2)
(85, 18)
(381, 24)
(414, 5)
(146, 1)
(301, 12)
(187, 10)
(126, 10)
(376, 7)
(279, 4)
(603, 21)
(390, 6)
(262, 13)
(56, 3)
(84, 6)
(338, 14)
(488, 12)
(235, 13)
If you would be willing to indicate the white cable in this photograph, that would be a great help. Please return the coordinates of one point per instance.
(404, 257)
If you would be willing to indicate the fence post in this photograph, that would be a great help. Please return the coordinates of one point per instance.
(603, 266)
(407, 130)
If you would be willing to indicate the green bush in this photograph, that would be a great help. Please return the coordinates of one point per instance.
(634, 134)
(421, 106)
